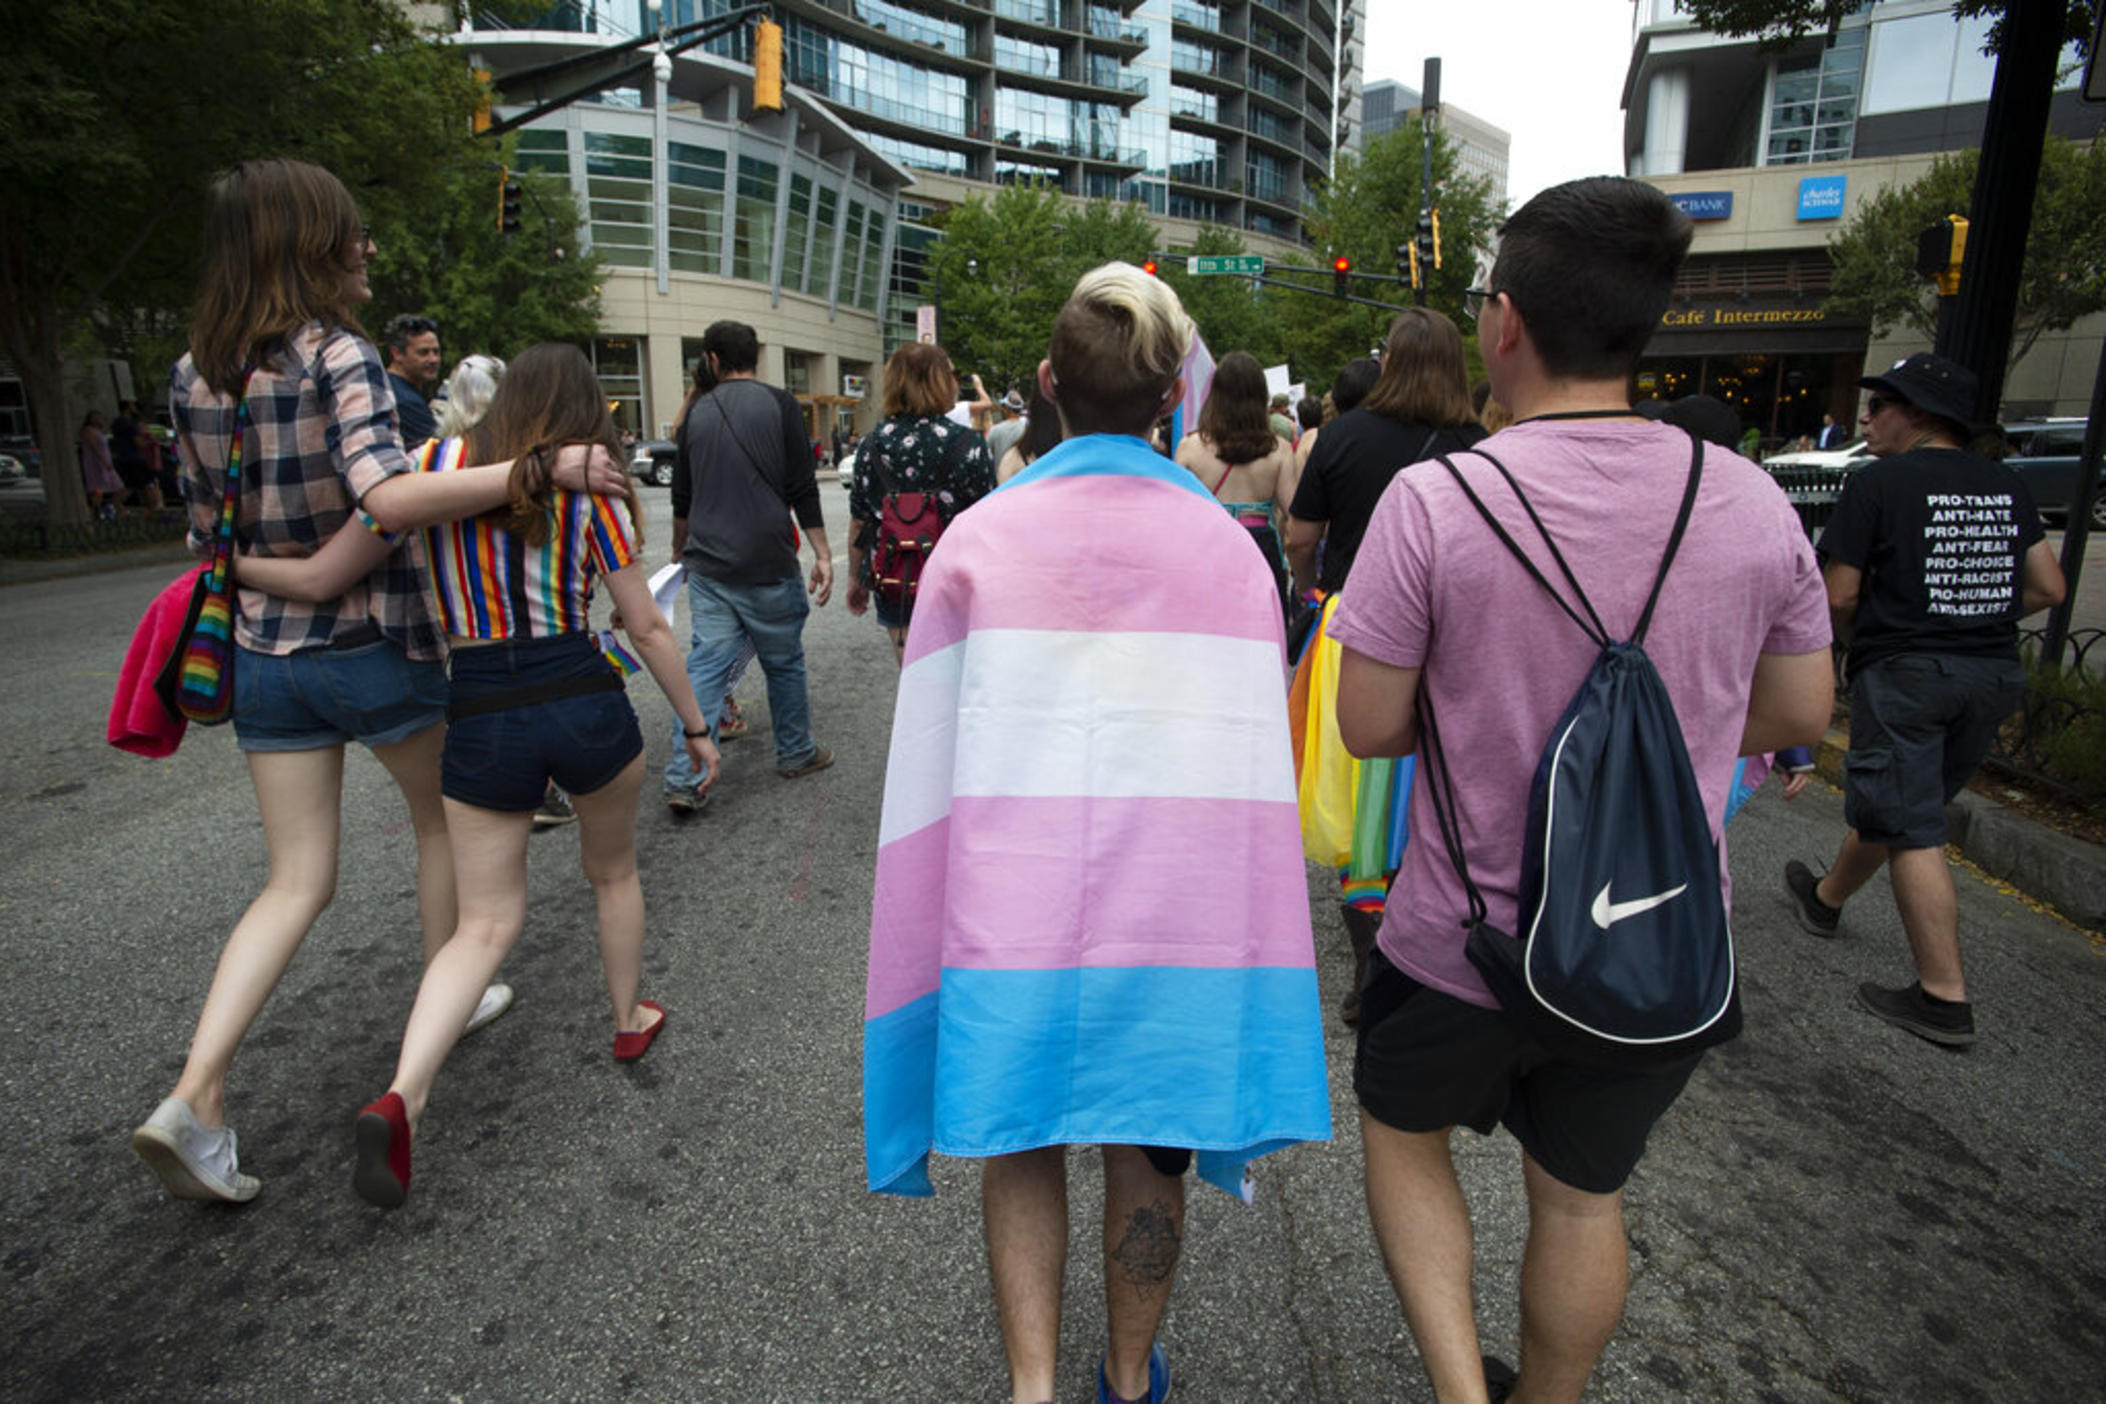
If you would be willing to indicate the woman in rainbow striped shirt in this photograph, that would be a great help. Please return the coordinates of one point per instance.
(534, 698)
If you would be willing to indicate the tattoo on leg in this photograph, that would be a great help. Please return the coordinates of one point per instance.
(1147, 1254)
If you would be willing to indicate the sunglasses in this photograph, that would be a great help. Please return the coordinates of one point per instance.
(1875, 403)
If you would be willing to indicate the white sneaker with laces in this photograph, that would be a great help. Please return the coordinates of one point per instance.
(194, 1162)
(495, 1001)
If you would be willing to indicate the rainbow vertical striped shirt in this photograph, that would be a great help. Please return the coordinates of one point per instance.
(487, 583)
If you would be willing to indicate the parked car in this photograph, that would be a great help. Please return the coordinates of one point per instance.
(653, 461)
(845, 469)
(11, 470)
(1850, 455)
(2044, 452)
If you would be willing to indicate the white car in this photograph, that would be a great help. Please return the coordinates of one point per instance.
(1850, 455)
(11, 470)
(845, 470)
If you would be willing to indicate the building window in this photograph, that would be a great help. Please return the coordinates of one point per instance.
(1200, 14)
(918, 155)
(797, 372)
(797, 233)
(753, 226)
(694, 208)
(1022, 56)
(1190, 102)
(821, 281)
(618, 360)
(618, 197)
(1188, 57)
(851, 253)
(912, 24)
(1268, 180)
(869, 283)
(1194, 159)
(547, 152)
(1813, 103)
(1194, 207)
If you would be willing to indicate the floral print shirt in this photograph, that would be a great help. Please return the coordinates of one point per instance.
(918, 453)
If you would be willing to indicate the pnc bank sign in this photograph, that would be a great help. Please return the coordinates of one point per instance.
(1705, 204)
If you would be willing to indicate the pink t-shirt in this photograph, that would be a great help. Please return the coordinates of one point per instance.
(1432, 588)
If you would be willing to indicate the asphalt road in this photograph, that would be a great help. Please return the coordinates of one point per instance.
(1833, 1211)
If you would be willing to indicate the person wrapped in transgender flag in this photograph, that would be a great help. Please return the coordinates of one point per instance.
(1091, 921)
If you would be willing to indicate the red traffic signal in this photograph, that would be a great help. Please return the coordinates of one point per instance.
(1340, 267)
(1148, 267)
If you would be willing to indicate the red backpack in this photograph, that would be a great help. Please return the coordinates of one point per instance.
(908, 528)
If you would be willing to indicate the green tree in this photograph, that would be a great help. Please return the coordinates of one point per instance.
(2064, 276)
(490, 292)
(1007, 264)
(1779, 22)
(118, 113)
(1370, 207)
(1231, 313)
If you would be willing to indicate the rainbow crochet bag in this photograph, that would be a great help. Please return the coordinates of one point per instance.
(204, 690)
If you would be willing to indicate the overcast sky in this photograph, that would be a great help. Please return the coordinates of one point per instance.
(1549, 72)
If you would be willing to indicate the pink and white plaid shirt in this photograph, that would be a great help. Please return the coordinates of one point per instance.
(322, 434)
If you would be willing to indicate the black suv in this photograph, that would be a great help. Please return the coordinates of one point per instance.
(2045, 452)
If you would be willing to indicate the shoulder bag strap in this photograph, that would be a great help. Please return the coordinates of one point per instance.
(752, 459)
(230, 500)
(1591, 626)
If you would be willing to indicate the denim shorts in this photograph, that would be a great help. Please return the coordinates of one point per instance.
(503, 759)
(322, 697)
(1919, 725)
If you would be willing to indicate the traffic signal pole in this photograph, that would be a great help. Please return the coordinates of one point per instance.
(1429, 123)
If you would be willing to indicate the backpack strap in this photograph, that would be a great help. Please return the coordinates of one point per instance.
(1674, 539)
(1446, 814)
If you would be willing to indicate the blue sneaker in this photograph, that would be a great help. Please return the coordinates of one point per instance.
(1158, 1380)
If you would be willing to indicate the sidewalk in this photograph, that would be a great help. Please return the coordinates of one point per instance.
(18, 570)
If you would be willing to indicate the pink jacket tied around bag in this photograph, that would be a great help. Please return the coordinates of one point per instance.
(140, 721)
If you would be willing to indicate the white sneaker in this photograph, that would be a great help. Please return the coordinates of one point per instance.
(495, 1001)
(193, 1162)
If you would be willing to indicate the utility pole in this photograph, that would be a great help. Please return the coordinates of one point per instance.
(1429, 124)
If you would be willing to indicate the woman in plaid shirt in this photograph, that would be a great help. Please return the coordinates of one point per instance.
(275, 342)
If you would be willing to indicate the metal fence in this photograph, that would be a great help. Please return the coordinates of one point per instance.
(1811, 491)
(2056, 740)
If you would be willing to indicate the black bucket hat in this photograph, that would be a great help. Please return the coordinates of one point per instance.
(1932, 384)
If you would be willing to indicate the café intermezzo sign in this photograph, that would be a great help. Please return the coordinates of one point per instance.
(1692, 318)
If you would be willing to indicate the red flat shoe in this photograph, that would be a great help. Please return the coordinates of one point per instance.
(628, 1047)
(383, 1172)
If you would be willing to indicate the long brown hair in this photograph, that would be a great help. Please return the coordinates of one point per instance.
(277, 236)
(1423, 380)
(548, 399)
(1236, 420)
(919, 380)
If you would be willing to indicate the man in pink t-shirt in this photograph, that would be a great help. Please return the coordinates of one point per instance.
(1434, 602)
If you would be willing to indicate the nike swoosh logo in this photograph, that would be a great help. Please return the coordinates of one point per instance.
(1606, 913)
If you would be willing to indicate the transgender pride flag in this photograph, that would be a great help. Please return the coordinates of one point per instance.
(1091, 922)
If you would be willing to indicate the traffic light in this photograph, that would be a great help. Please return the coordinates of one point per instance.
(479, 119)
(1422, 250)
(1417, 270)
(1436, 236)
(508, 196)
(1341, 268)
(767, 67)
(1149, 266)
(1939, 251)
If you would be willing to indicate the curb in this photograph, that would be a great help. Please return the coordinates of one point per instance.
(2066, 873)
(24, 571)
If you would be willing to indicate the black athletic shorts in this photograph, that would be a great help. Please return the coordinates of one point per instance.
(1427, 1061)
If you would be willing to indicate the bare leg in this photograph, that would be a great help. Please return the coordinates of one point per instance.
(1573, 1276)
(489, 860)
(899, 645)
(1930, 914)
(1423, 1226)
(1854, 865)
(1024, 1204)
(1144, 1226)
(414, 763)
(607, 835)
(298, 794)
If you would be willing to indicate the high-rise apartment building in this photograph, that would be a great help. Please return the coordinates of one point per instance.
(1770, 152)
(1481, 148)
(1219, 112)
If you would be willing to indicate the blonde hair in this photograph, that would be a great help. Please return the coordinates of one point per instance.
(468, 393)
(1117, 346)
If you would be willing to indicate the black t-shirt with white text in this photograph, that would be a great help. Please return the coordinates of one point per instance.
(1941, 536)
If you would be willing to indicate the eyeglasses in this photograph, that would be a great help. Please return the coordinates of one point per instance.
(1474, 300)
(1875, 403)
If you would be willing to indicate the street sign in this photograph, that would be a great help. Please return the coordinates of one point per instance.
(1243, 265)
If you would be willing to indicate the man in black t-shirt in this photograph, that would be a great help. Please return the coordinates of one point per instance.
(746, 469)
(1932, 558)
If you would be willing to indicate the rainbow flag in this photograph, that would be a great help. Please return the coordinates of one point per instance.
(1091, 921)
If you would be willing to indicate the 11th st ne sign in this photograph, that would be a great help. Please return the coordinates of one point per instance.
(1245, 265)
